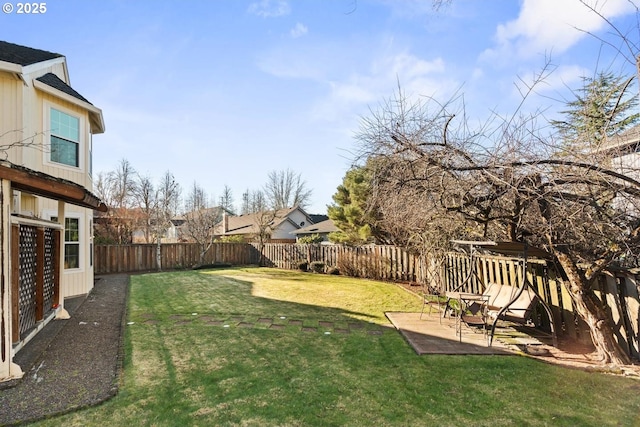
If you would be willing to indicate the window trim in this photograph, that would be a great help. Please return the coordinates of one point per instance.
(71, 215)
(82, 139)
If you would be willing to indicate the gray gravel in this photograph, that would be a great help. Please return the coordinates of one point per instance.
(71, 364)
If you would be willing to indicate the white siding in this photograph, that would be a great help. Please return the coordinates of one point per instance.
(75, 281)
(10, 117)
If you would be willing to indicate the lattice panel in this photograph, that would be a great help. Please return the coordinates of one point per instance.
(27, 275)
(49, 279)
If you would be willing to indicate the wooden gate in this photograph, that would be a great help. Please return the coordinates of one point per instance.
(35, 275)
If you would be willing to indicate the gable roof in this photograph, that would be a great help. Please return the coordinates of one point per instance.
(622, 142)
(56, 82)
(250, 223)
(317, 218)
(322, 227)
(22, 55)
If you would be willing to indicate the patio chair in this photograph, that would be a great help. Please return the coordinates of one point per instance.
(429, 296)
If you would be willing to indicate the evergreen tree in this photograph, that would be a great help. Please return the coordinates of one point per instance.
(349, 211)
(602, 108)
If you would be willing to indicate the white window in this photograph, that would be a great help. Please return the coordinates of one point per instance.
(65, 138)
(71, 242)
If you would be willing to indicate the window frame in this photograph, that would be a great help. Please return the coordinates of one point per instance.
(49, 133)
(71, 216)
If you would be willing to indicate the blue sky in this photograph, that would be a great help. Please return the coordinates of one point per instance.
(223, 92)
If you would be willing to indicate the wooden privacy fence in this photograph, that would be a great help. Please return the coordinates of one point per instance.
(380, 262)
(372, 261)
(142, 257)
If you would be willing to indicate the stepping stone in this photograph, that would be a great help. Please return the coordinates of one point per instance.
(176, 317)
(295, 322)
(265, 320)
(309, 329)
(214, 322)
(356, 326)
(326, 324)
(206, 318)
(237, 318)
(182, 322)
(245, 325)
(276, 327)
(341, 331)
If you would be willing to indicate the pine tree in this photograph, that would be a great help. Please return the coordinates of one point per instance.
(602, 108)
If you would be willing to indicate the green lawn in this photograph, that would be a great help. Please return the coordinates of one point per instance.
(249, 347)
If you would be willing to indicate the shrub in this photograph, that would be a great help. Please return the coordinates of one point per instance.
(317, 266)
(333, 270)
(370, 266)
(303, 266)
(313, 238)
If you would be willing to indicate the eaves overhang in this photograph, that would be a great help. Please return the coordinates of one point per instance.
(41, 184)
(95, 114)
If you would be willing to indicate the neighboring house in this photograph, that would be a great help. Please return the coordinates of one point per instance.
(173, 234)
(46, 253)
(622, 155)
(276, 226)
(623, 150)
(322, 229)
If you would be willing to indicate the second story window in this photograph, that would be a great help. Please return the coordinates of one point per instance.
(65, 138)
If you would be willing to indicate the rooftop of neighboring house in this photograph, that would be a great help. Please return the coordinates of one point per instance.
(323, 227)
(317, 218)
(624, 142)
(250, 223)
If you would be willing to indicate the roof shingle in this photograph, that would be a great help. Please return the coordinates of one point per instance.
(55, 82)
(23, 55)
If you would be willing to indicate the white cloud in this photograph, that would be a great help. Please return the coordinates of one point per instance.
(552, 25)
(299, 30)
(270, 8)
(417, 77)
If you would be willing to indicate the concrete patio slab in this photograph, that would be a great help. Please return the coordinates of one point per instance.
(433, 335)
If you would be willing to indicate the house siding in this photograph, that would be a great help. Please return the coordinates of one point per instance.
(75, 281)
(26, 108)
(10, 119)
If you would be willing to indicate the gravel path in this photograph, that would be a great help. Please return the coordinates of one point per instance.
(72, 363)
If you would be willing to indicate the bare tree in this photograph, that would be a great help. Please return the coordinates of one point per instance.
(167, 200)
(285, 189)
(226, 199)
(253, 201)
(504, 184)
(118, 190)
(196, 199)
(145, 196)
(200, 219)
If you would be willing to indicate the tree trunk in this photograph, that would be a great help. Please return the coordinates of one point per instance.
(159, 254)
(590, 310)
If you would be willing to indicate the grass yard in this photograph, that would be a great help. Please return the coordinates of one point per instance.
(266, 347)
